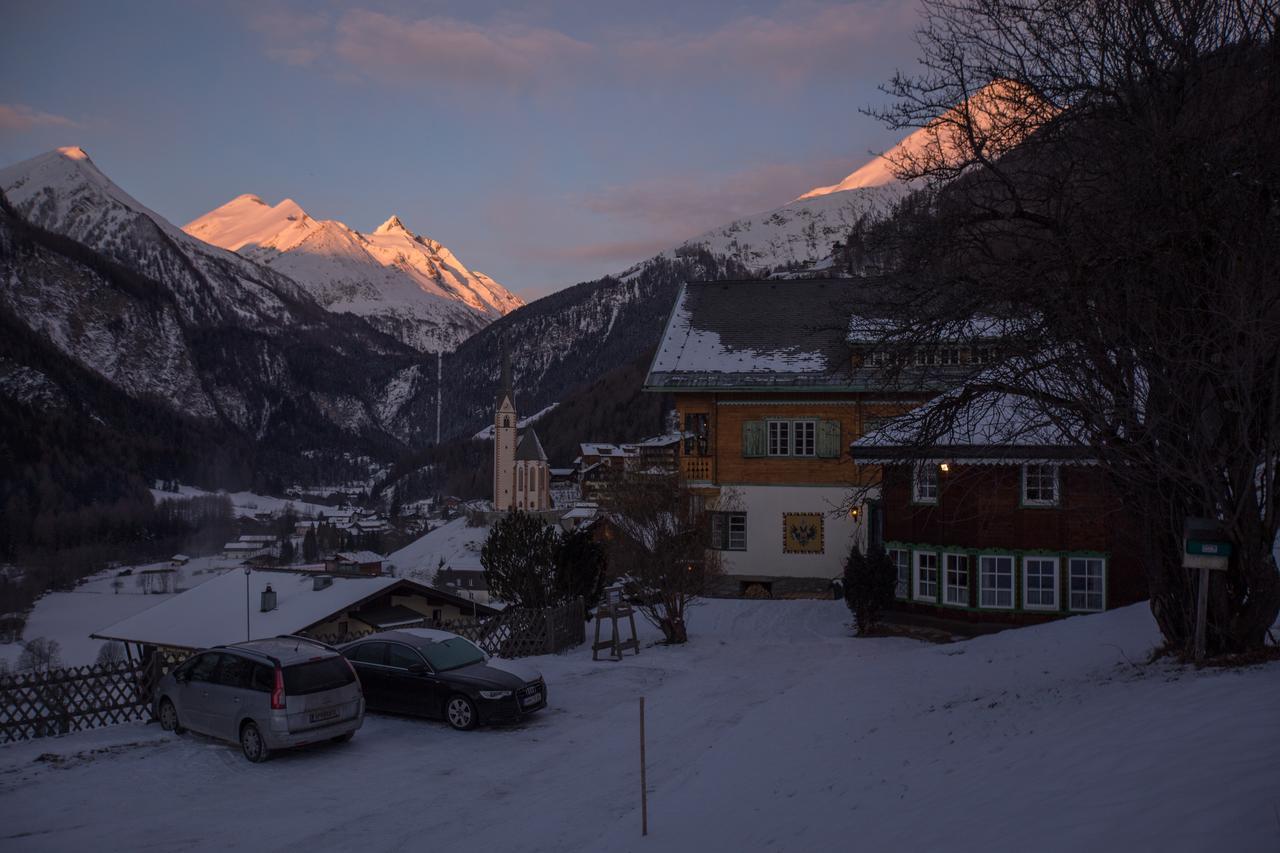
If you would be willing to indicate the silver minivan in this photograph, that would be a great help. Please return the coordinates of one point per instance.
(263, 694)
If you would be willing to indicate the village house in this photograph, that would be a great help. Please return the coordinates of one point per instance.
(354, 563)
(999, 519)
(237, 605)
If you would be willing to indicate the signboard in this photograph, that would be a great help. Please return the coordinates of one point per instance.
(1205, 545)
(802, 533)
(1216, 549)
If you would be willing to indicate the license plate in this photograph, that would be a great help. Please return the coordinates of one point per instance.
(327, 714)
(532, 699)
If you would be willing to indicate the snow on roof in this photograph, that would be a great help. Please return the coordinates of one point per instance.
(360, 556)
(661, 440)
(458, 544)
(599, 449)
(758, 334)
(989, 425)
(213, 613)
(871, 328)
(581, 512)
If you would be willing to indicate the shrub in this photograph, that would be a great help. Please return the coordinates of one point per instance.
(869, 582)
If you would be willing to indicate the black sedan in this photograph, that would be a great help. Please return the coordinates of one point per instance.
(443, 676)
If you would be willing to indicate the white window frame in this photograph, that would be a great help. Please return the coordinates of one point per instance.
(878, 358)
(948, 559)
(724, 537)
(902, 562)
(916, 472)
(1026, 582)
(1101, 591)
(1027, 471)
(804, 438)
(778, 438)
(985, 561)
(919, 556)
(951, 356)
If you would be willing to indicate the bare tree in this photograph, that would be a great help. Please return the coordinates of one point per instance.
(111, 652)
(40, 654)
(1102, 194)
(661, 548)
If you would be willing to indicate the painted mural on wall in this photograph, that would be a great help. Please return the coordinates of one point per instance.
(802, 533)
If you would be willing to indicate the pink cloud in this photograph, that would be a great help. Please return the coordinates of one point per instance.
(621, 251)
(446, 48)
(20, 118)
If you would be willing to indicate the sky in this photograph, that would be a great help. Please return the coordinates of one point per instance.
(545, 143)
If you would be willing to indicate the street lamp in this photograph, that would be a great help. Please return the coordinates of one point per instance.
(247, 571)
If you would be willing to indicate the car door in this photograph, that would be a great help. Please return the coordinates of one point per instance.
(410, 684)
(193, 693)
(227, 695)
(369, 660)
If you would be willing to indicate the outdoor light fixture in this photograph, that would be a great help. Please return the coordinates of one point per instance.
(944, 467)
(853, 512)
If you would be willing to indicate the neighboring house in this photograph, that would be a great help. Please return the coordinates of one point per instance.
(769, 394)
(234, 606)
(660, 453)
(468, 583)
(246, 550)
(1000, 519)
(581, 514)
(354, 563)
(564, 489)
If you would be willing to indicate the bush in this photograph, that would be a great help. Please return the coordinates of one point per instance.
(869, 582)
(580, 563)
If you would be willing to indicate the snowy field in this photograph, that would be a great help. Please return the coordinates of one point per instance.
(248, 504)
(771, 730)
(70, 617)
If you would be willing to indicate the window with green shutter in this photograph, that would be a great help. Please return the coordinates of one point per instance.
(829, 439)
(753, 438)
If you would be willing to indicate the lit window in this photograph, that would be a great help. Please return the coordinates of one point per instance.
(955, 580)
(995, 582)
(1088, 577)
(924, 484)
(926, 576)
(1040, 485)
(902, 561)
(729, 531)
(1040, 583)
(779, 438)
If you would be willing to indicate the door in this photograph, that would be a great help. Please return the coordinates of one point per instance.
(409, 692)
(194, 697)
(227, 695)
(875, 525)
(369, 659)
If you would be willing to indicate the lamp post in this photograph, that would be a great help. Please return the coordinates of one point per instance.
(247, 571)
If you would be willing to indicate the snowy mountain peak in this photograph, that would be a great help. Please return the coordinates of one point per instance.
(74, 152)
(392, 225)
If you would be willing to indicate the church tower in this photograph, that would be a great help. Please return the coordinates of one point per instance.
(504, 442)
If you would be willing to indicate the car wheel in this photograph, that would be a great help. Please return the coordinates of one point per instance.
(460, 712)
(251, 743)
(169, 717)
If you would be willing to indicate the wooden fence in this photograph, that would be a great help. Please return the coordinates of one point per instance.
(45, 703)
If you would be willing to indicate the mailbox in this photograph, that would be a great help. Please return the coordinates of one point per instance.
(1205, 545)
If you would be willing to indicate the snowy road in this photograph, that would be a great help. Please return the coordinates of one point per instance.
(772, 730)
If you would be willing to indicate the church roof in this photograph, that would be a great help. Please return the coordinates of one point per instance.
(530, 449)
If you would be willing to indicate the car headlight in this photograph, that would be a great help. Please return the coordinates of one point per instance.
(494, 694)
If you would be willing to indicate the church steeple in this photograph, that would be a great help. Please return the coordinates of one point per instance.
(505, 425)
(505, 392)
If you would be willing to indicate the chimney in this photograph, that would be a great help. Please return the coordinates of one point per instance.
(320, 582)
(268, 599)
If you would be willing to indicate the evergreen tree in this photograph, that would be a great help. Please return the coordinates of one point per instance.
(580, 563)
(869, 583)
(310, 549)
(519, 561)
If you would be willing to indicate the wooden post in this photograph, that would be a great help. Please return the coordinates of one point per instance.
(644, 786)
(1202, 615)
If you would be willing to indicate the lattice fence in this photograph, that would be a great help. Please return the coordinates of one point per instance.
(45, 703)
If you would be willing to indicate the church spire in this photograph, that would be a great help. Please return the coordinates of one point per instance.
(504, 389)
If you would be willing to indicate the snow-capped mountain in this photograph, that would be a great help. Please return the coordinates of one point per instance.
(97, 288)
(407, 285)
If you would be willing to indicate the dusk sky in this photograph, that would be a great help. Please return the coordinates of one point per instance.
(545, 143)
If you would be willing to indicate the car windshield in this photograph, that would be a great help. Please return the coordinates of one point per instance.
(451, 654)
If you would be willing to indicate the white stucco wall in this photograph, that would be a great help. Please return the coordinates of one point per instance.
(765, 506)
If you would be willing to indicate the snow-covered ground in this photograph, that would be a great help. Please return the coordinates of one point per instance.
(247, 504)
(772, 730)
(457, 543)
(70, 617)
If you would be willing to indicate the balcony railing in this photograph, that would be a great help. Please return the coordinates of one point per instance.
(696, 468)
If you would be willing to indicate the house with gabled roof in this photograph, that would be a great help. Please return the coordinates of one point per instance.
(770, 388)
(993, 514)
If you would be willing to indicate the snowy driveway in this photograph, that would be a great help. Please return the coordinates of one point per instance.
(772, 730)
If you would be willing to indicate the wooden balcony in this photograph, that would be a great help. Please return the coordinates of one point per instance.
(697, 468)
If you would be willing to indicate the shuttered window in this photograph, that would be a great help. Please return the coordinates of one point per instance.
(829, 439)
(753, 439)
(791, 438)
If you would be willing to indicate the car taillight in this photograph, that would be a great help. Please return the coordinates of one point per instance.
(277, 692)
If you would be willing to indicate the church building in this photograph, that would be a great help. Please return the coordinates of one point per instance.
(521, 475)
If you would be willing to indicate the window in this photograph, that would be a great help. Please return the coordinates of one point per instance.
(926, 357)
(995, 582)
(877, 358)
(926, 576)
(317, 676)
(983, 355)
(1088, 577)
(696, 434)
(402, 657)
(204, 668)
(804, 433)
(950, 355)
(729, 531)
(1040, 583)
(369, 653)
(235, 671)
(955, 579)
(902, 560)
(1039, 485)
(924, 485)
(779, 438)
